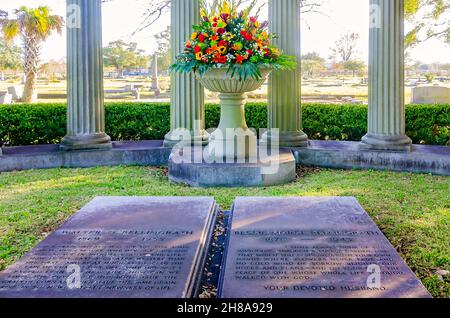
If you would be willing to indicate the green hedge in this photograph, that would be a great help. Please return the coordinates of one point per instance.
(46, 123)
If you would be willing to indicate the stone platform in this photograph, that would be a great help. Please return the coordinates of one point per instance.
(327, 154)
(269, 171)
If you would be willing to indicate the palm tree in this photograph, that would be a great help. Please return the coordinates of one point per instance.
(34, 26)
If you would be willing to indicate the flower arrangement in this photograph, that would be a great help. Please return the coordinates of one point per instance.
(230, 38)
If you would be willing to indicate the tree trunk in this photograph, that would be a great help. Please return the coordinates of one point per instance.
(29, 89)
(30, 67)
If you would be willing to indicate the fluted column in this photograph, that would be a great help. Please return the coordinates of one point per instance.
(285, 86)
(387, 78)
(187, 95)
(85, 114)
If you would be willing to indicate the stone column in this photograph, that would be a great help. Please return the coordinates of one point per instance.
(85, 115)
(386, 78)
(187, 95)
(285, 86)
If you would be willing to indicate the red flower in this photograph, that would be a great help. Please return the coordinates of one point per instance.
(243, 32)
(214, 25)
(197, 49)
(250, 52)
(239, 59)
(214, 38)
(201, 38)
(267, 52)
(224, 16)
(220, 31)
(248, 37)
(223, 43)
(222, 59)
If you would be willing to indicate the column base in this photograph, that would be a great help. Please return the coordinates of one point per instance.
(175, 137)
(86, 142)
(286, 139)
(386, 143)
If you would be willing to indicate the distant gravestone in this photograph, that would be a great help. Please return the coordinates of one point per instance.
(16, 92)
(154, 72)
(431, 95)
(119, 247)
(311, 248)
(5, 98)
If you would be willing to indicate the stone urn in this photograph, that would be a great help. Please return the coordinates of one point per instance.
(232, 139)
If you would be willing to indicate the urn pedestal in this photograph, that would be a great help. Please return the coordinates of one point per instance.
(232, 139)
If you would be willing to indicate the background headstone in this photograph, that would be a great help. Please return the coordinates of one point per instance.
(5, 98)
(431, 95)
(16, 92)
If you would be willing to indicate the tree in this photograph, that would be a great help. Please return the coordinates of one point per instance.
(10, 57)
(313, 56)
(163, 53)
(430, 77)
(156, 8)
(34, 25)
(311, 64)
(124, 56)
(311, 67)
(345, 47)
(430, 19)
(354, 66)
(54, 70)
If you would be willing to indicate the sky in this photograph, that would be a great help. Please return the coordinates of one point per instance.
(319, 31)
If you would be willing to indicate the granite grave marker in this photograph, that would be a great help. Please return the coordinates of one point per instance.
(119, 247)
(311, 248)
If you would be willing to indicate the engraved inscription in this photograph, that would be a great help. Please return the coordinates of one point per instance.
(105, 266)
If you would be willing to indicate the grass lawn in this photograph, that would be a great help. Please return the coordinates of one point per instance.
(412, 210)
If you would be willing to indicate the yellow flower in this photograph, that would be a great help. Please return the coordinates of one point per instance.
(222, 49)
(203, 12)
(194, 35)
(265, 35)
(226, 8)
(276, 51)
(198, 56)
(257, 24)
(228, 36)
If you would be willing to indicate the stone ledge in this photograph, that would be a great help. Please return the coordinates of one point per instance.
(348, 155)
(150, 153)
(327, 154)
